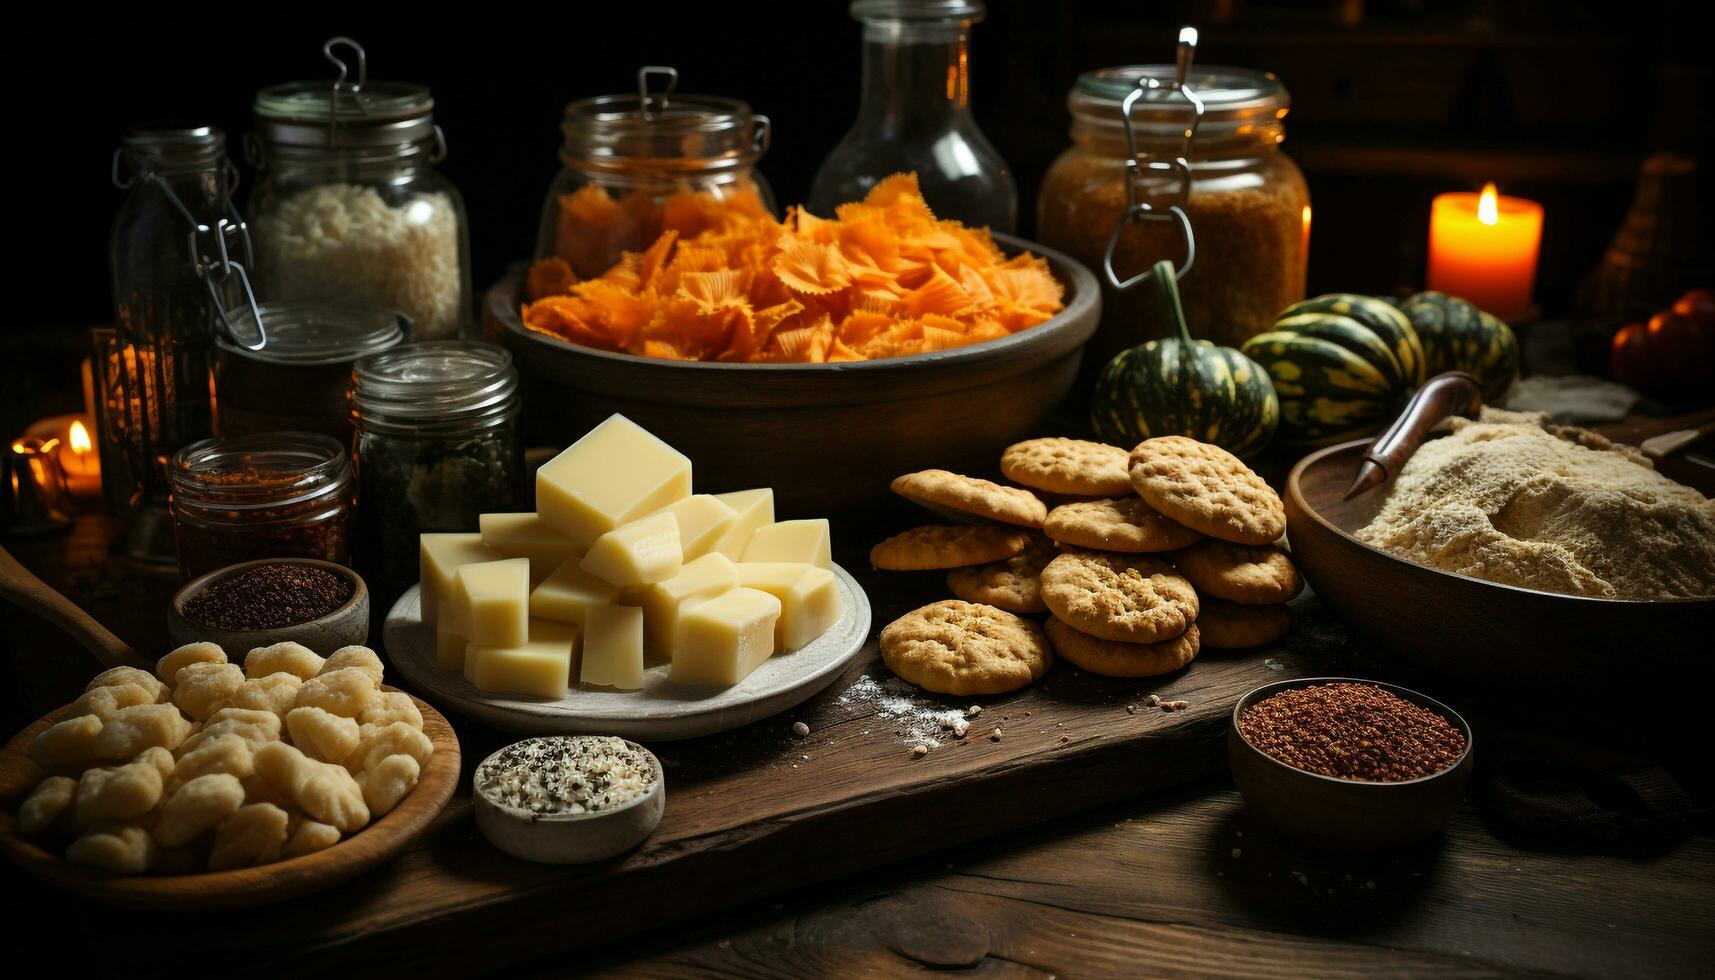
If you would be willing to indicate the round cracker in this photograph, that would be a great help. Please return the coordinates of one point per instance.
(1207, 489)
(964, 497)
(1014, 585)
(1253, 574)
(1127, 598)
(1068, 466)
(1125, 524)
(1232, 626)
(964, 648)
(1113, 659)
(947, 546)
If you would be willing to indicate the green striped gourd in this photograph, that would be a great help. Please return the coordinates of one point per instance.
(1457, 336)
(1179, 386)
(1342, 365)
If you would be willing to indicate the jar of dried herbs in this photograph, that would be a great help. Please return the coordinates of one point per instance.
(437, 445)
(272, 495)
(1248, 206)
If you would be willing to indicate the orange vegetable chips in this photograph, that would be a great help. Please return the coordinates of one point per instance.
(725, 281)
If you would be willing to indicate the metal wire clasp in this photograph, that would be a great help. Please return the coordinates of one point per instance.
(1138, 166)
(643, 97)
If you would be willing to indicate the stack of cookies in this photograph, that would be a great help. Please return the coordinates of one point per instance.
(1142, 559)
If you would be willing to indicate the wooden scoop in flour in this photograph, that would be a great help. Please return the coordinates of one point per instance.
(19, 586)
(1452, 393)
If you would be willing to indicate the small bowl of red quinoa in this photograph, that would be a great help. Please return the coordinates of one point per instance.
(1349, 764)
(320, 604)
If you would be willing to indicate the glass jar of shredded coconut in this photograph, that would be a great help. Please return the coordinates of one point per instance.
(349, 208)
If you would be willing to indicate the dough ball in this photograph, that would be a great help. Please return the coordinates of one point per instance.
(139, 727)
(322, 736)
(119, 794)
(105, 702)
(253, 835)
(67, 747)
(395, 739)
(272, 692)
(198, 805)
(355, 658)
(388, 782)
(227, 753)
(204, 688)
(125, 850)
(347, 692)
(324, 791)
(310, 837)
(45, 805)
(254, 726)
(168, 667)
(291, 658)
(132, 676)
(393, 706)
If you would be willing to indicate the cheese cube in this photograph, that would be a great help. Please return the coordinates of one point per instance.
(492, 602)
(439, 556)
(528, 536)
(642, 552)
(565, 594)
(613, 647)
(542, 666)
(807, 542)
(754, 509)
(449, 649)
(703, 521)
(809, 598)
(721, 640)
(615, 474)
(704, 578)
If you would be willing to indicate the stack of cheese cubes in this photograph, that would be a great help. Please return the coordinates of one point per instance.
(622, 562)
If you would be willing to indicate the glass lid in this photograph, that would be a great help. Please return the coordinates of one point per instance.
(315, 333)
(1232, 98)
(348, 109)
(438, 380)
(655, 124)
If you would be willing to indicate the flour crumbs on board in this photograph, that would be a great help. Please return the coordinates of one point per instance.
(894, 702)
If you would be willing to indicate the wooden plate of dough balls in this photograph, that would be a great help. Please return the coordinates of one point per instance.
(208, 785)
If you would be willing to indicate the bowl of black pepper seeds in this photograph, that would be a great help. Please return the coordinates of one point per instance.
(1349, 764)
(253, 604)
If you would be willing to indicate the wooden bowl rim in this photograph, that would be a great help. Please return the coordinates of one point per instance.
(359, 590)
(243, 887)
(1085, 303)
(1257, 693)
(1295, 491)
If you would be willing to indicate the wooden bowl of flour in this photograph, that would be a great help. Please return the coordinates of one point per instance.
(1484, 633)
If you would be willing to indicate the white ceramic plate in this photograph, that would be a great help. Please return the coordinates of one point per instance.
(661, 710)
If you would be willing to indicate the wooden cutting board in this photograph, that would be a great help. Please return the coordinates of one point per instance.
(759, 811)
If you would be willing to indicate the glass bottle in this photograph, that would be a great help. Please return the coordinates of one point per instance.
(178, 253)
(274, 495)
(298, 379)
(634, 166)
(437, 446)
(914, 114)
(349, 207)
(1247, 202)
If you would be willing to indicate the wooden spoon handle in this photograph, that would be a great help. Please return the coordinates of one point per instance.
(1451, 393)
(22, 588)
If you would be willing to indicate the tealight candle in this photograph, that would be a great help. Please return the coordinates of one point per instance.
(1483, 248)
(75, 450)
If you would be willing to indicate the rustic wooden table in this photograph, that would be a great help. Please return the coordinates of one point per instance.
(1092, 841)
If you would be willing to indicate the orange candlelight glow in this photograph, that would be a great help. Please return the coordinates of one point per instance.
(67, 437)
(1483, 248)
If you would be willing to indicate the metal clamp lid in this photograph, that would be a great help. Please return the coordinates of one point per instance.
(1137, 166)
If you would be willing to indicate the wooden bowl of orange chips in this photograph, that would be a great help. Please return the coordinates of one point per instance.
(822, 357)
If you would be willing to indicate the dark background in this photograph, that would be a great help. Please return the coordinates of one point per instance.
(1393, 102)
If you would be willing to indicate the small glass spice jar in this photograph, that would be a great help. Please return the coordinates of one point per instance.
(274, 495)
(349, 206)
(637, 165)
(299, 377)
(437, 445)
(1246, 201)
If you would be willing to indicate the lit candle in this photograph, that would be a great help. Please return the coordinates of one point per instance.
(75, 450)
(1483, 248)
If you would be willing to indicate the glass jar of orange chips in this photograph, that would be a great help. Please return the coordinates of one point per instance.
(1247, 205)
(637, 165)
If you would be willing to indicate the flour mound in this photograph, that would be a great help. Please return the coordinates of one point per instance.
(1508, 500)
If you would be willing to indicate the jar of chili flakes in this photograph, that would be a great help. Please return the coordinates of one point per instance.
(635, 166)
(1247, 205)
(272, 495)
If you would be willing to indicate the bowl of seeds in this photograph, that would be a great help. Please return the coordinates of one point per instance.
(253, 604)
(569, 799)
(1349, 764)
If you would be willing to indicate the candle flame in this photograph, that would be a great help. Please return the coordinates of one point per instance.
(78, 438)
(1488, 205)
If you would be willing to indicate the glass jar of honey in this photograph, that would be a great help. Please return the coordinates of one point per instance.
(634, 166)
(1247, 206)
(274, 495)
